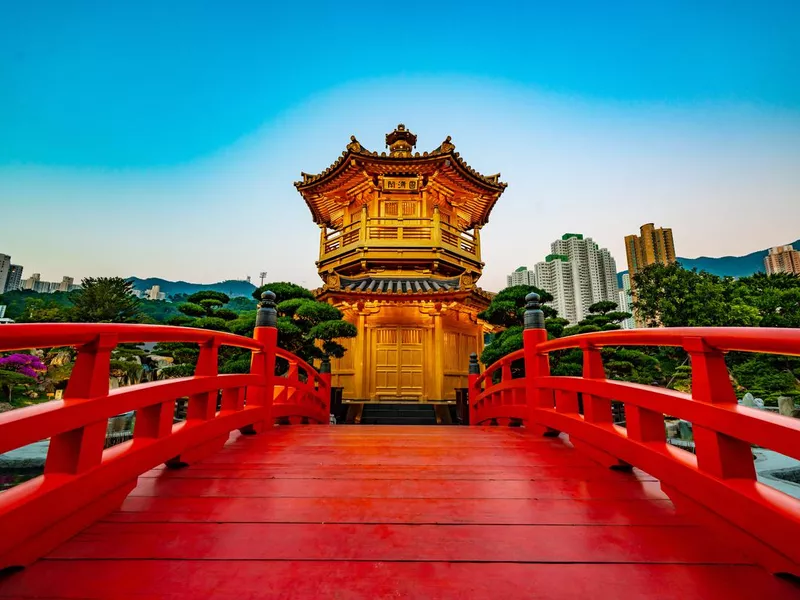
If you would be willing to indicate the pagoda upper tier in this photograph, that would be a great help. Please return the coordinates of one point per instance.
(441, 175)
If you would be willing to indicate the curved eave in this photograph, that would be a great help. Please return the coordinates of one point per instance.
(490, 183)
(476, 294)
(311, 184)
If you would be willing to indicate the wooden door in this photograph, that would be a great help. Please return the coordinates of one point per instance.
(398, 363)
(386, 362)
(410, 367)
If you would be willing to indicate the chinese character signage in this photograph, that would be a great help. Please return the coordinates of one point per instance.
(400, 184)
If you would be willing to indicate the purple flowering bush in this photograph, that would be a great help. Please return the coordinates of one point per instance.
(24, 364)
(19, 369)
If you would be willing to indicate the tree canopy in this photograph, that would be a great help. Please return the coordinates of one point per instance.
(105, 300)
(507, 310)
(672, 296)
(283, 290)
(307, 327)
(675, 297)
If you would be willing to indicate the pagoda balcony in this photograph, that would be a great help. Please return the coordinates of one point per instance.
(409, 235)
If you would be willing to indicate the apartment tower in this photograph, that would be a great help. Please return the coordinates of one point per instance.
(651, 246)
(521, 276)
(577, 273)
(782, 259)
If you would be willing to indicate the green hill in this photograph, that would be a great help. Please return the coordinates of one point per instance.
(231, 287)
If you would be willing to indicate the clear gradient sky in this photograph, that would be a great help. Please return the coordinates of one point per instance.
(157, 138)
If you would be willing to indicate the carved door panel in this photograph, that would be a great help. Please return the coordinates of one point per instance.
(410, 367)
(398, 363)
(386, 361)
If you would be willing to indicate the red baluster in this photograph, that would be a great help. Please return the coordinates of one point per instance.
(644, 425)
(324, 390)
(233, 399)
(474, 389)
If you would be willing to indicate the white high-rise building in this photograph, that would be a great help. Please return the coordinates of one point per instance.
(556, 276)
(607, 271)
(522, 276)
(625, 303)
(578, 273)
(5, 268)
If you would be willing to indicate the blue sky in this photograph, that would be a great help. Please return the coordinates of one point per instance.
(161, 139)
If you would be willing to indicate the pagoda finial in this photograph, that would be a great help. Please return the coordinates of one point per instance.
(401, 142)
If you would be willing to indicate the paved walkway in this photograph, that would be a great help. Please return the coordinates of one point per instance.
(395, 512)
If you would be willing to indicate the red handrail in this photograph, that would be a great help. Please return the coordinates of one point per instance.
(501, 401)
(298, 401)
(81, 480)
(719, 483)
(55, 335)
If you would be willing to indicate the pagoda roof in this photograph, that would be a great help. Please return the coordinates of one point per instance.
(358, 164)
(400, 285)
(407, 287)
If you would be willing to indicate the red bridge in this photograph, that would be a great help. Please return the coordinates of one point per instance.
(569, 505)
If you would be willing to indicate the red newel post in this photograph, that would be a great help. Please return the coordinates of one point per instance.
(82, 448)
(595, 409)
(474, 387)
(262, 363)
(203, 407)
(325, 386)
(536, 364)
(719, 454)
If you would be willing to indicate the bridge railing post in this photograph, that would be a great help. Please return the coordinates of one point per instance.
(537, 364)
(325, 386)
(80, 449)
(202, 407)
(723, 456)
(474, 388)
(262, 362)
(595, 408)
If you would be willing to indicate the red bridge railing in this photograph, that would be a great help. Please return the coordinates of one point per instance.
(82, 481)
(718, 483)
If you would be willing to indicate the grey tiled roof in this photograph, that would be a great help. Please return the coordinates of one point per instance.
(400, 285)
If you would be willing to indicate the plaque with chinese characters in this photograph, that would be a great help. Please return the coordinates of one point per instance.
(400, 184)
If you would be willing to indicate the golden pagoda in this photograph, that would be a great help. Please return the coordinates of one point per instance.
(399, 255)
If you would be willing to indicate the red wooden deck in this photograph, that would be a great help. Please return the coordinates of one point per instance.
(395, 512)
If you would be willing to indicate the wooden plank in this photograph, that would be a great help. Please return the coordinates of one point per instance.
(190, 580)
(394, 510)
(431, 456)
(434, 488)
(388, 542)
(334, 460)
(475, 472)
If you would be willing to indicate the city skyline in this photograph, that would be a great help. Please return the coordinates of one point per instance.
(112, 165)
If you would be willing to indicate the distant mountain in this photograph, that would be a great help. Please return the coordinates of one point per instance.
(231, 287)
(732, 266)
